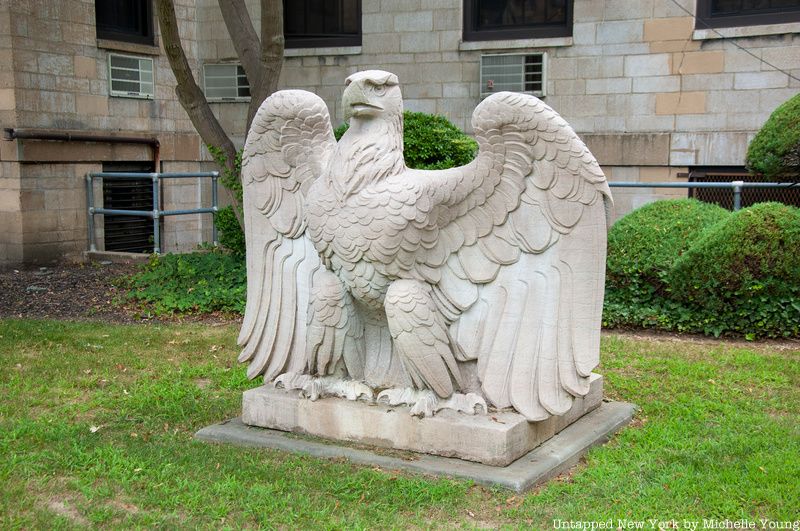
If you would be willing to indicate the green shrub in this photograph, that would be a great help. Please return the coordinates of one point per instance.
(743, 275)
(230, 233)
(431, 142)
(775, 150)
(642, 248)
(191, 283)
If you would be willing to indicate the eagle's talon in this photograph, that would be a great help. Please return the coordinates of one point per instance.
(425, 406)
(291, 380)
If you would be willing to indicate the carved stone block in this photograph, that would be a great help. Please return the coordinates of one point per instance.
(497, 438)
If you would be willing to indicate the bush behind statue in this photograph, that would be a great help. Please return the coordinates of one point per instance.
(685, 266)
(743, 275)
(642, 247)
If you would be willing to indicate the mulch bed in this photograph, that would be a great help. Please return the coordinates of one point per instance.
(79, 292)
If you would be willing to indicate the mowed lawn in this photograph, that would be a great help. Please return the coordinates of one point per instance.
(96, 425)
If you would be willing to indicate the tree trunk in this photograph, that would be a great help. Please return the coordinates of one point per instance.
(189, 94)
(272, 46)
(262, 60)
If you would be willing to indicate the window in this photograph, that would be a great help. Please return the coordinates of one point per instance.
(514, 72)
(225, 82)
(728, 13)
(320, 23)
(130, 76)
(516, 19)
(125, 20)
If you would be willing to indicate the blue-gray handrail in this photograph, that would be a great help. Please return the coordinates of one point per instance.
(736, 186)
(156, 214)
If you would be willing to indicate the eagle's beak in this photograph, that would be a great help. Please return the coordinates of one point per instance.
(357, 103)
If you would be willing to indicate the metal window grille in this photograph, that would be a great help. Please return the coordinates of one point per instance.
(132, 234)
(225, 82)
(130, 76)
(513, 72)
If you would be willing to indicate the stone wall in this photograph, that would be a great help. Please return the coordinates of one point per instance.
(650, 94)
(59, 82)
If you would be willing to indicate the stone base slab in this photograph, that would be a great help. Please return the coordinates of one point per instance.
(496, 439)
(553, 457)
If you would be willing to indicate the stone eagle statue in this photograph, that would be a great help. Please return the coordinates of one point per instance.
(458, 288)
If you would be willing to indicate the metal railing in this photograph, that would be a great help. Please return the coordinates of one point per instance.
(156, 214)
(735, 186)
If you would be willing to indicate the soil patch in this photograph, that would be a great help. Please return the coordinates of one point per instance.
(89, 291)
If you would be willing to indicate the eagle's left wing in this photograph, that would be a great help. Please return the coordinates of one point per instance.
(519, 259)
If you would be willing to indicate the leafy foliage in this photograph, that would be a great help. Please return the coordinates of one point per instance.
(230, 179)
(680, 265)
(775, 150)
(231, 233)
(744, 275)
(191, 283)
(431, 142)
(643, 245)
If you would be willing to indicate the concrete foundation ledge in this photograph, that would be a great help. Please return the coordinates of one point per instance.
(116, 257)
(551, 458)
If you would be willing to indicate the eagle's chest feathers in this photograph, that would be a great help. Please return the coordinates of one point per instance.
(355, 218)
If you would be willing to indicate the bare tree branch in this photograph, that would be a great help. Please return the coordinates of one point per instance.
(261, 59)
(189, 94)
(272, 45)
(244, 36)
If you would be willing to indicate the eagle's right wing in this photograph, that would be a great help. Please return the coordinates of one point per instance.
(287, 148)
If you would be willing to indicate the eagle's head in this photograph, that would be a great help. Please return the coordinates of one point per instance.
(372, 94)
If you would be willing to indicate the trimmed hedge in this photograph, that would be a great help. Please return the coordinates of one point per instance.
(690, 267)
(642, 247)
(775, 150)
(744, 275)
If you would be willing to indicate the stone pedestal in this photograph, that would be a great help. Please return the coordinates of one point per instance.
(497, 439)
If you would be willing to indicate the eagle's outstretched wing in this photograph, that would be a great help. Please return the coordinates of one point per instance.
(519, 259)
(287, 148)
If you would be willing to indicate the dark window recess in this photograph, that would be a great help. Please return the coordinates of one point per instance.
(125, 20)
(131, 234)
(731, 13)
(516, 19)
(750, 196)
(318, 23)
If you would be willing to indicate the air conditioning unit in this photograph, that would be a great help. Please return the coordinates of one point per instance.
(225, 82)
(514, 72)
(130, 76)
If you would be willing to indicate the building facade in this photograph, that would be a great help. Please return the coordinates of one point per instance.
(657, 88)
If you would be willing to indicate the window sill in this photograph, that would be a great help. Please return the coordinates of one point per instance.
(130, 47)
(228, 100)
(551, 42)
(329, 50)
(745, 31)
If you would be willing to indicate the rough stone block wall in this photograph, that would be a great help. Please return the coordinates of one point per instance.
(630, 68)
(61, 70)
(58, 80)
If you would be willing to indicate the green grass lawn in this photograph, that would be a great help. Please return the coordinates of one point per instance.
(96, 425)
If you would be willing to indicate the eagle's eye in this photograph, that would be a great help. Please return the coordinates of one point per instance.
(379, 90)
